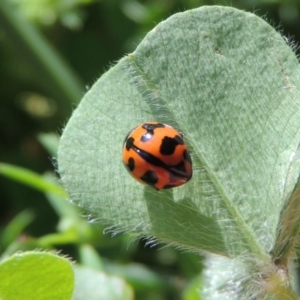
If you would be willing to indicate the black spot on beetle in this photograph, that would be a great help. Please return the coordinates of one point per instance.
(150, 130)
(150, 178)
(131, 164)
(129, 143)
(169, 145)
(150, 127)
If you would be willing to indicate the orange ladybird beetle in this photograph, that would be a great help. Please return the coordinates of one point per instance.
(155, 154)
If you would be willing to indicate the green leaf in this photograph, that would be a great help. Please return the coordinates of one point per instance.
(49, 141)
(36, 275)
(230, 83)
(64, 209)
(15, 227)
(94, 285)
(90, 258)
(193, 290)
(31, 178)
(138, 276)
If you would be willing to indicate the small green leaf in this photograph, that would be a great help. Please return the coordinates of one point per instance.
(31, 178)
(139, 276)
(64, 209)
(51, 240)
(94, 285)
(193, 290)
(35, 276)
(16, 227)
(90, 258)
(49, 141)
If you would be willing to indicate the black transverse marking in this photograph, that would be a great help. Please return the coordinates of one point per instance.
(150, 127)
(130, 164)
(179, 169)
(169, 145)
(150, 177)
(153, 160)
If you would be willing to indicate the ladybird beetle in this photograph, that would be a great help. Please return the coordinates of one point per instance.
(155, 154)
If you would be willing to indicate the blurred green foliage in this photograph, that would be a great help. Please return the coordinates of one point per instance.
(51, 52)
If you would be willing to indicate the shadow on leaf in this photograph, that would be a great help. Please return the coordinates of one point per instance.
(180, 223)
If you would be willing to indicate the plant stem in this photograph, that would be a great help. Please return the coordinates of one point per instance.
(278, 286)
